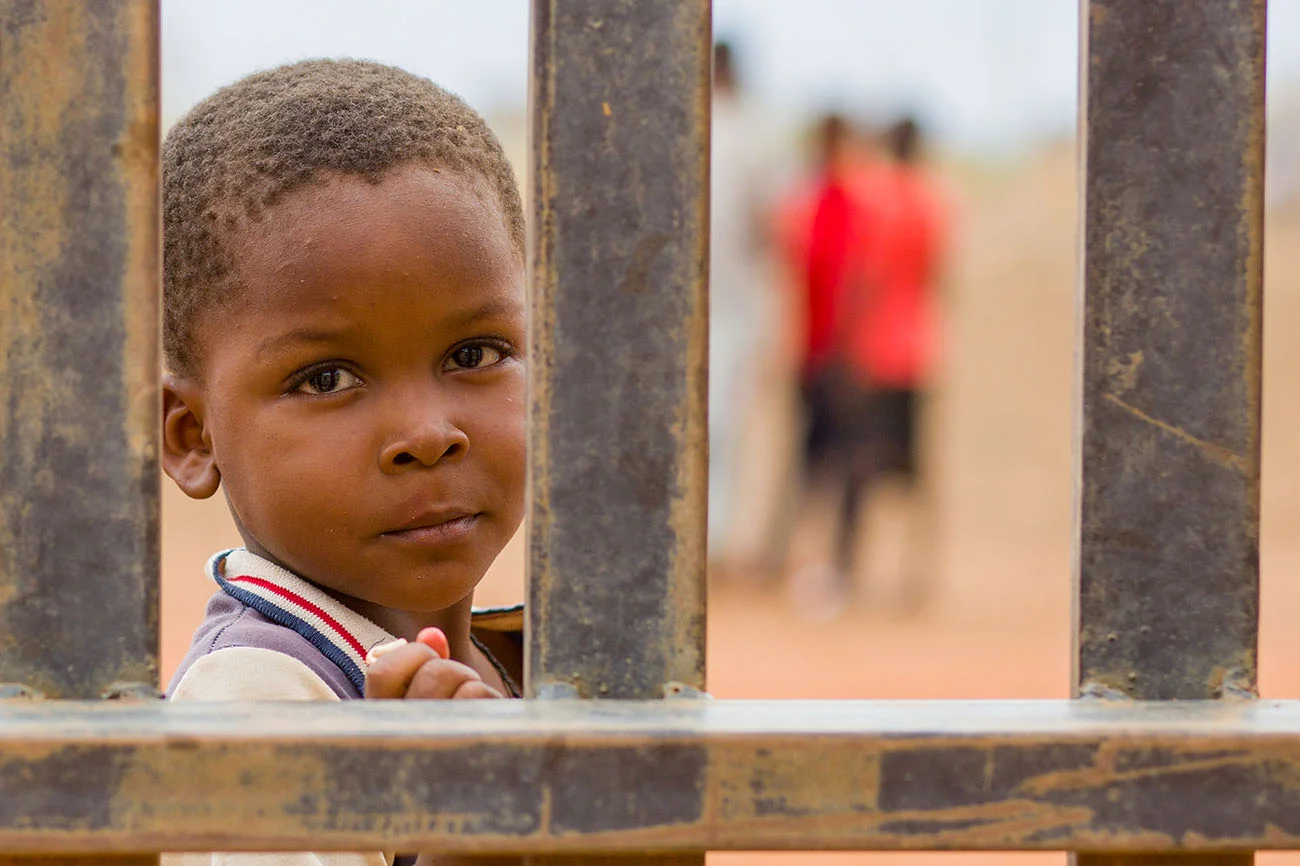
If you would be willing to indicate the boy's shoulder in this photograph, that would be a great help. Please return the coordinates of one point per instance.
(229, 623)
(263, 606)
(317, 642)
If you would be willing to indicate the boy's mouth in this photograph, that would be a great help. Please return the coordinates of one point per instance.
(437, 527)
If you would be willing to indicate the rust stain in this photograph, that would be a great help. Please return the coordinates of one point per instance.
(1251, 235)
(689, 510)
(1125, 373)
(636, 279)
(137, 158)
(1103, 774)
(1235, 681)
(1223, 456)
(542, 283)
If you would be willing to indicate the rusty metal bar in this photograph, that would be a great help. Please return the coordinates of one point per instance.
(1168, 532)
(609, 777)
(619, 257)
(79, 277)
(620, 103)
(79, 280)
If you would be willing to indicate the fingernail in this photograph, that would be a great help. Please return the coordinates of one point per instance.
(384, 649)
(435, 639)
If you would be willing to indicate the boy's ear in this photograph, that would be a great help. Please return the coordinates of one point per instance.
(186, 444)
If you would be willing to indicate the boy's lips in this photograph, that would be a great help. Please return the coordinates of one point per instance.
(436, 527)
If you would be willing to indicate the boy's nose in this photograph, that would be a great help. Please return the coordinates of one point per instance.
(432, 442)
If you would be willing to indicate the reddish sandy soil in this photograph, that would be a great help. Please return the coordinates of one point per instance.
(998, 624)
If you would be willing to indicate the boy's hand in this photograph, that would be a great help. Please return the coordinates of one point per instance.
(422, 671)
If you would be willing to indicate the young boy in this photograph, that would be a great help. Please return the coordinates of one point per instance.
(344, 328)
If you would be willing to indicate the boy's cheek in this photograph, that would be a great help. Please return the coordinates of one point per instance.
(505, 425)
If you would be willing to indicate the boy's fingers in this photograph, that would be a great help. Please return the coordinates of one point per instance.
(416, 671)
(439, 680)
(435, 639)
(390, 675)
(475, 690)
(383, 649)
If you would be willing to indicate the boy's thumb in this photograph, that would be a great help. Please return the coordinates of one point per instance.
(435, 640)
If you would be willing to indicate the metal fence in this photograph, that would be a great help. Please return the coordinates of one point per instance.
(1167, 753)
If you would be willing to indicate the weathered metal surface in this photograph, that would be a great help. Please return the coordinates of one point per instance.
(587, 777)
(1168, 556)
(619, 257)
(79, 278)
(71, 860)
(1201, 859)
(618, 377)
(1169, 519)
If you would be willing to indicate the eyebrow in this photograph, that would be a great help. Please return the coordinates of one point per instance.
(315, 335)
(299, 336)
(487, 310)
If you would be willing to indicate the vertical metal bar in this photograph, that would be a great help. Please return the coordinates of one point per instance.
(79, 281)
(620, 107)
(1167, 565)
(620, 103)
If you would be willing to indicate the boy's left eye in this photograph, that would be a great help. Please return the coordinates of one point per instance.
(470, 357)
(328, 380)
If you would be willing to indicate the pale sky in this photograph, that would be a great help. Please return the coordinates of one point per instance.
(987, 75)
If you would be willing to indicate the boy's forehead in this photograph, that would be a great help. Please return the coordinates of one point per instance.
(415, 223)
(422, 240)
(410, 200)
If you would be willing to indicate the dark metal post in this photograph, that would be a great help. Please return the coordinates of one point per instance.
(1168, 485)
(618, 464)
(79, 282)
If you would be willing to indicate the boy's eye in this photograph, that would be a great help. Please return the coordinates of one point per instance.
(469, 357)
(328, 380)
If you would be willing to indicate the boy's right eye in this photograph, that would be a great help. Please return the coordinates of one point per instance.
(327, 380)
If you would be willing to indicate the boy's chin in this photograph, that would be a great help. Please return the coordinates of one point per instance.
(429, 595)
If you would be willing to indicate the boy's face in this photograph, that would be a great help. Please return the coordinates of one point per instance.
(362, 399)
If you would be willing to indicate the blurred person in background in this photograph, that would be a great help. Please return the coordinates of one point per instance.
(891, 345)
(740, 313)
(824, 227)
(862, 241)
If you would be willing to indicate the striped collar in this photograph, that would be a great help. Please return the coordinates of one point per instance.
(341, 634)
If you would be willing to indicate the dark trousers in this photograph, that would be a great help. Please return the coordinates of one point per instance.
(854, 435)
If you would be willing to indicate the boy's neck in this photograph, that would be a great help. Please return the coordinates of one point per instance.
(453, 621)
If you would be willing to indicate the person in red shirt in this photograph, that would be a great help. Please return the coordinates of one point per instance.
(889, 341)
(824, 229)
(863, 243)
(890, 337)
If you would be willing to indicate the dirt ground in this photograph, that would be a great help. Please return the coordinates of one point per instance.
(999, 447)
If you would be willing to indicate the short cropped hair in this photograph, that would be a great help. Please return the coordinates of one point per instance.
(238, 152)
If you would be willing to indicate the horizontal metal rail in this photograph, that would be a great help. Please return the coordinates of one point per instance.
(614, 776)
